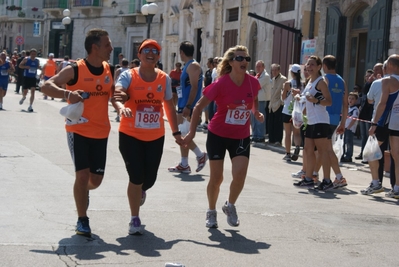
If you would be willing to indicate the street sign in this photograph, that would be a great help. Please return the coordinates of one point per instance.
(19, 40)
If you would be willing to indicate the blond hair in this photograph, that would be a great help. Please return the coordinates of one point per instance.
(224, 67)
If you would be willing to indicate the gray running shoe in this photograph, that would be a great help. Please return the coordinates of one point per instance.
(230, 211)
(372, 189)
(392, 194)
(135, 227)
(211, 219)
(22, 100)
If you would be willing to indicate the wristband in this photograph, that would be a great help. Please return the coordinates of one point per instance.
(69, 94)
(318, 102)
(176, 133)
(373, 124)
(189, 106)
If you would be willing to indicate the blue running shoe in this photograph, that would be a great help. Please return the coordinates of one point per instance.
(83, 227)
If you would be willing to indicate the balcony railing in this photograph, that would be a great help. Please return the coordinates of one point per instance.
(62, 4)
(87, 3)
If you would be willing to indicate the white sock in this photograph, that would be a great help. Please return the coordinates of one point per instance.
(198, 152)
(396, 188)
(315, 173)
(376, 182)
(229, 204)
(184, 161)
(339, 176)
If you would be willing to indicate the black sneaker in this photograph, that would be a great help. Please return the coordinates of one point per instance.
(324, 185)
(304, 182)
(359, 157)
(82, 227)
(294, 157)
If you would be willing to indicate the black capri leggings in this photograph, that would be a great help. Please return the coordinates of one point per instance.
(142, 159)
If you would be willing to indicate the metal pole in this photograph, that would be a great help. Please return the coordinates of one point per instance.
(149, 21)
(312, 17)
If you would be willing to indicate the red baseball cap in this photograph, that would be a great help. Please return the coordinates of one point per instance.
(149, 42)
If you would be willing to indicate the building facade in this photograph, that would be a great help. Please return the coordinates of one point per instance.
(358, 32)
(21, 24)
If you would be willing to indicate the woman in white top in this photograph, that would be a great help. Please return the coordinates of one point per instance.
(318, 128)
(286, 96)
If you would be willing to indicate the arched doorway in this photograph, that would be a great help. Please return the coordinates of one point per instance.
(253, 44)
(358, 46)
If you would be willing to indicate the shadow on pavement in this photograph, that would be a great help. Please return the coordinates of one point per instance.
(148, 245)
(190, 178)
(235, 242)
(83, 248)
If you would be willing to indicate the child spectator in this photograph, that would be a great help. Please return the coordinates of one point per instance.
(350, 127)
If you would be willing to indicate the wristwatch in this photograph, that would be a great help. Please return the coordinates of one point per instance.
(318, 102)
(188, 106)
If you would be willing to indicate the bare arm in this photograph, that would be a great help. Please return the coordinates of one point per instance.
(201, 104)
(341, 125)
(194, 72)
(52, 87)
(22, 64)
(286, 89)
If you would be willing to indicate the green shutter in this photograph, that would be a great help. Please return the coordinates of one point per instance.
(335, 36)
(378, 33)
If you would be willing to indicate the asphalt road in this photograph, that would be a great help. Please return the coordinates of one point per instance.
(281, 225)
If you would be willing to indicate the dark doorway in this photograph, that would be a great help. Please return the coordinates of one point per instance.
(198, 46)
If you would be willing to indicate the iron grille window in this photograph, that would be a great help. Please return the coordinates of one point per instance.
(232, 14)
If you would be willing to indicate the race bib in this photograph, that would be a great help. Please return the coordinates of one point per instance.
(32, 70)
(4, 73)
(147, 117)
(179, 92)
(237, 116)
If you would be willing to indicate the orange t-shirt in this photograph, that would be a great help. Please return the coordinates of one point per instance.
(50, 69)
(94, 122)
(146, 103)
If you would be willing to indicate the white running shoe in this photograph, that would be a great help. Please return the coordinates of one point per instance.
(135, 227)
(298, 174)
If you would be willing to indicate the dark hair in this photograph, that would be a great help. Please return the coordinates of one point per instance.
(125, 62)
(66, 58)
(318, 61)
(187, 48)
(94, 37)
(135, 61)
(330, 62)
(210, 60)
(297, 76)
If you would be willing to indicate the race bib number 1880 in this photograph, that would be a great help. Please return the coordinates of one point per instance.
(147, 117)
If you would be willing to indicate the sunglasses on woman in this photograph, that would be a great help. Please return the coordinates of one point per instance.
(241, 58)
(147, 50)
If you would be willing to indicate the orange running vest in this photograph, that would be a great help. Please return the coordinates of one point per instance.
(50, 69)
(95, 122)
(146, 103)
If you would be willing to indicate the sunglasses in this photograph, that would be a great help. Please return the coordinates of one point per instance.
(241, 58)
(147, 51)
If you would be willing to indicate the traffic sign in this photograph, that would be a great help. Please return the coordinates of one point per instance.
(19, 40)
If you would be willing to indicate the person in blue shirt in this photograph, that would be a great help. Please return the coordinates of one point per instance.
(5, 68)
(188, 93)
(30, 65)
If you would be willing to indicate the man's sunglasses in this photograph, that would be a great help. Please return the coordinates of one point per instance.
(241, 58)
(147, 51)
